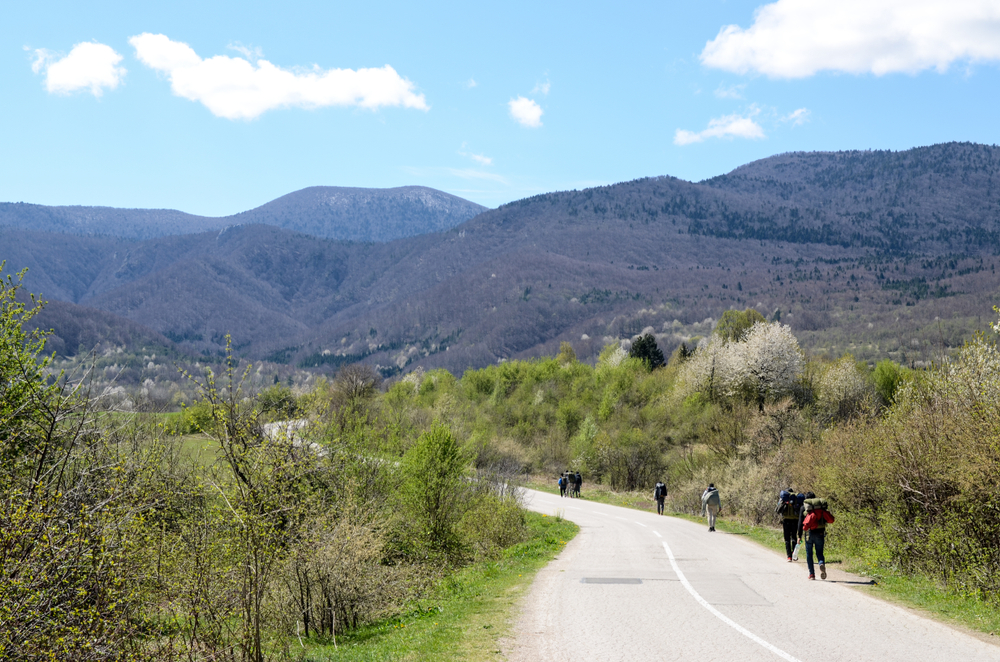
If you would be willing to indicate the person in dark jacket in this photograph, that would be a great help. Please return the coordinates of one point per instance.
(659, 494)
(562, 485)
(812, 523)
(578, 484)
(789, 507)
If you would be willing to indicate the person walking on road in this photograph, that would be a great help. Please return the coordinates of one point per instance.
(711, 505)
(812, 522)
(659, 493)
(562, 485)
(578, 484)
(789, 507)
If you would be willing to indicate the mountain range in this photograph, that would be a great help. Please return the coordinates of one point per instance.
(874, 253)
(350, 214)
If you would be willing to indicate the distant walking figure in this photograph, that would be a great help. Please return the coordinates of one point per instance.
(578, 484)
(659, 493)
(812, 522)
(789, 507)
(711, 505)
(562, 486)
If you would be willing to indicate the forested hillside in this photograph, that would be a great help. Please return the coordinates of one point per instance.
(877, 253)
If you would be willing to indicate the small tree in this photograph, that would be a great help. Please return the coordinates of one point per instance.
(434, 489)
(733, 324)
(645, 349)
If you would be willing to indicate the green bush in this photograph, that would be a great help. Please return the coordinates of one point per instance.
(434, 489)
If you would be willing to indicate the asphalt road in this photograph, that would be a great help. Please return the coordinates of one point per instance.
(636, 586)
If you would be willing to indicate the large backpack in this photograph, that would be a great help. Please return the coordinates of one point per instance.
(818, 507)
(660, 491)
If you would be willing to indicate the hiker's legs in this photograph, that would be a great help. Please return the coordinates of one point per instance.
(659, 506)
(810, 540)
(820, 539)
(711, 516)
(789, 527)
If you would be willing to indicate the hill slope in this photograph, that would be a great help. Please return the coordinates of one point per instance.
(352, 214)
(870, 252)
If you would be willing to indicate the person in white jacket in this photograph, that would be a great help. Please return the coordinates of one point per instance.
(711, 505)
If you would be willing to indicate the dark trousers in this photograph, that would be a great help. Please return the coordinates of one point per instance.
(815, 540)
(659, 506)
(789, 526)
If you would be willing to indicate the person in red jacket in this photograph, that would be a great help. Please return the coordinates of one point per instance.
(812, 524)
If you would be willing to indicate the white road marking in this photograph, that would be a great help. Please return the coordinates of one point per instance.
(641, 524)
(718, 614)
(657, 533)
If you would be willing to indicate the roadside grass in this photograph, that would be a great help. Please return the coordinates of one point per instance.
(912, 591)
(465, 616)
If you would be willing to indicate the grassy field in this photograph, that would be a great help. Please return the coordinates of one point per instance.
(915, 592)
(467, 614)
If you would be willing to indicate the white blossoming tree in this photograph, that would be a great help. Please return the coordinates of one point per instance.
(766, 363)
(763, 365)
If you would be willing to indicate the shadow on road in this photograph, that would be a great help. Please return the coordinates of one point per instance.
(870, 582)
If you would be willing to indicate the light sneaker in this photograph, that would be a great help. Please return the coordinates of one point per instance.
(812, 576)
(822, 571)
(789, 559)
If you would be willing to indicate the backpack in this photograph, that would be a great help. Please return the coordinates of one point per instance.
(817, 514)
(660, 491)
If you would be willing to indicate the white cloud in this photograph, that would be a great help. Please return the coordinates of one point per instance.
(731, 92)
(798, 38)
(526, 112)
(542, 88)
(728, 126)
(478, 158)
(235, 88)
(471, 83)
(89, 66)
(797, 117)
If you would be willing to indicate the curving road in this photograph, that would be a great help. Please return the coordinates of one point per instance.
(635, 586)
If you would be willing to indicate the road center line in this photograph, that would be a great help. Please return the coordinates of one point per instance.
(718, 614)
(641, 524)
(657, 534)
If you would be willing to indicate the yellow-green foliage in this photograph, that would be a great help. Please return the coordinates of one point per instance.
(923, 479)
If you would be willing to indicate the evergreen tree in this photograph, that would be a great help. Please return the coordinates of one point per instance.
(645, 348)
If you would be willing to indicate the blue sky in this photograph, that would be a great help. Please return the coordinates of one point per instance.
(217, 107)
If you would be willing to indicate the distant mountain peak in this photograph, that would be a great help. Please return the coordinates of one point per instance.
(332, 212)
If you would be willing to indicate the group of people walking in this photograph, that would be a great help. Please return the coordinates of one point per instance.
(569, 484)
(803, 518)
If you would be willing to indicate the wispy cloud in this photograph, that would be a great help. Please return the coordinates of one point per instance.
(542, 88)
(730, 92)
(478, 158)
(471, 83)
(89, 66)
(798, 38)
(797, 117)
(236, 88)
(727, 126)
(526, 112)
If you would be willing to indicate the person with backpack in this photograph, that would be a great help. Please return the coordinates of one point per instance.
(562, 485)
(659, 494)
(711, 505)
(578, 484)
(789, 507)
(812, 522)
